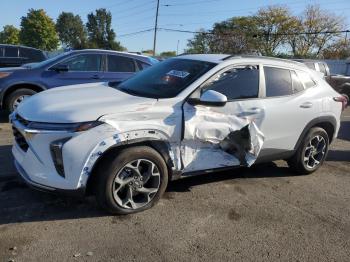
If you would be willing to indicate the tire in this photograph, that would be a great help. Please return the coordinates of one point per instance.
(13, 98)
(120, 176)
(316, 138)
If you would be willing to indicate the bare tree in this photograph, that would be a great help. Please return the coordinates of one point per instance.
(314, 32)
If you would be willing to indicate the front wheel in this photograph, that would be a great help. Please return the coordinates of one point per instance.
(17, 97)
(311, 153)
(134, 181)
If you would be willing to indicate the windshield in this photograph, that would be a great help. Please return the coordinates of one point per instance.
(45, 62)
(165, 79)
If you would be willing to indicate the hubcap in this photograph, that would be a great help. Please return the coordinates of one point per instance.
(136, 184)
(19, 100)
(315, 151)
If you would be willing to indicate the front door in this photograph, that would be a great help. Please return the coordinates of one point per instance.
(218, 137)
(83, 68)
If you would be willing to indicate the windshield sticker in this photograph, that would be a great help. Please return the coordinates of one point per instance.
(181, 74)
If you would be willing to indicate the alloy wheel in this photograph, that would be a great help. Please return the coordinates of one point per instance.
(136, 184)
(315, 151)
(19, 100)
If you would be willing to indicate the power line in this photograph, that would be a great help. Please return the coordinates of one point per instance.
(137, 32)
(258, 34)
(192, 3)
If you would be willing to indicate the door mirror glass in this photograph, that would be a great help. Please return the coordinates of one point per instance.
(212, 98)
(60, 68)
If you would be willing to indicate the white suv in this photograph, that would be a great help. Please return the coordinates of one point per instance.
(186, 115)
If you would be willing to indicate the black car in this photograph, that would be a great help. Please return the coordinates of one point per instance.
(15, 55)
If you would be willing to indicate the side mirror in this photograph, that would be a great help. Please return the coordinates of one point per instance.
(209, 98)
(60, 68)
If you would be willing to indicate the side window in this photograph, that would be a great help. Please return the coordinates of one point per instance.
(83, 63)
(306, 79)
(11, 52)
(278, 81)
(120, 64)
(2, 51)
(297, 85)
(236, 83)
(142, 65)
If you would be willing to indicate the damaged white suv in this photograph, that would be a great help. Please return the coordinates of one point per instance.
(189, 114)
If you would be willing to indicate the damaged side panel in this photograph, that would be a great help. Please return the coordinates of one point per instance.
(220, 137)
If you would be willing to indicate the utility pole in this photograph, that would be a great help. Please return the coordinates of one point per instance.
(155, 30)
(177, 47)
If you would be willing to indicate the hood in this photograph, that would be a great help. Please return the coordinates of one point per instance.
(80, 103)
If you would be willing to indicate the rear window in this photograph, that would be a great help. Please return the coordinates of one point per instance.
(11, 51)
(278, 82)
(31, 54)
(306, 79)
(120, 64)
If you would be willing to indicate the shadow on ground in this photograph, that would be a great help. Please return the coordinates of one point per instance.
(23, 204)
(7, 168)
(4, 117)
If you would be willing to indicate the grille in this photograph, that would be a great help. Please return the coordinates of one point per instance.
(20, 140)
(22, 120)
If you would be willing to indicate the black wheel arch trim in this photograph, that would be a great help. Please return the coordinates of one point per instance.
(319, 120)
(5, 89)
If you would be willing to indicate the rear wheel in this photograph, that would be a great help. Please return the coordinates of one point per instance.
(18, 96)
(311, 153)
(134, 181)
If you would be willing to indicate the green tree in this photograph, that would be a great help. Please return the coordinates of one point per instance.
(199, 44)
(273, 23)
(38, 30)
(168, 53)
(9, 35)
(234, 36)
(100, 32)
(71, 30)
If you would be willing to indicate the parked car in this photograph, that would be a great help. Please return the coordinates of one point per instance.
(74, 67)
(15, 55)
(340, 83)
(187, 115)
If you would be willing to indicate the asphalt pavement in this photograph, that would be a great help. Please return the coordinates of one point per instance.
(265, 213)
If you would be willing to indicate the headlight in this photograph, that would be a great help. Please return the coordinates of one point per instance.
(74, 127)
(5, 74)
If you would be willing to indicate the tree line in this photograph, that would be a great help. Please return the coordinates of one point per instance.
(275, 31)
(40, 31)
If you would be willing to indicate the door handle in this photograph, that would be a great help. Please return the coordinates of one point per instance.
(306, 105)
(252, 111)
(96, 77)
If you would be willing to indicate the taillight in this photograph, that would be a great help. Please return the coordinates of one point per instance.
(343, 100)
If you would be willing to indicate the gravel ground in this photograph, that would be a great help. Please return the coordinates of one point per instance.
(265, 213)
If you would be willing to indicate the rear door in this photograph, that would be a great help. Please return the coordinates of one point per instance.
(289, 106)
(217, 137)
(82, 68)
(119, 68)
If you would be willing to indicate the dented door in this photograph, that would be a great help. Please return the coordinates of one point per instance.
(217, 137)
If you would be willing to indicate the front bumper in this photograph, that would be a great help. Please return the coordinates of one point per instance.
(80, 192)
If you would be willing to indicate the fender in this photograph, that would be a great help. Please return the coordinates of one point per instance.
(319, 120)
(157, 139)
